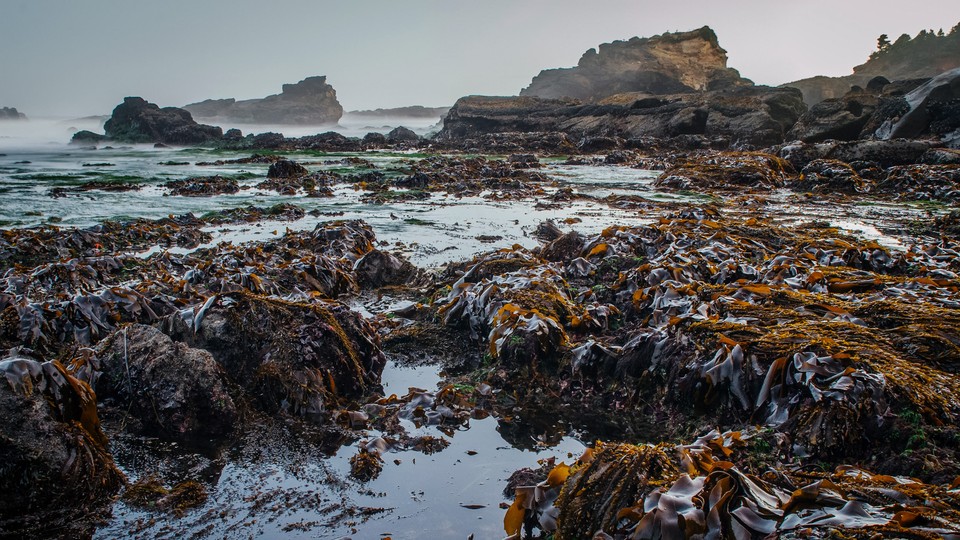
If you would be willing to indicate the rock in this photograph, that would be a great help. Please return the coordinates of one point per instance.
(413, 111)
(374, 139)
(840, 119)
(309, 102)
(941, 156)
(829, 176)
(401, 134)
(11, 113)
(669, 63)
(286, 168)
(137, 121)
(293, 357)
(743, 115)
(934, 109)
(233, 134)
(525, 161)
(56, 469)
(202, 186)
(884, 153)
(87, 137)
(175, 391)
(922, 182)
(379, 268)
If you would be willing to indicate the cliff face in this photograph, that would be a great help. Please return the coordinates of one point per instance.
(669, 63)
(924, 56)
(309, 102)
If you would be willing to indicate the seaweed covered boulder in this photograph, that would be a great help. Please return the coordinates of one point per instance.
(55, 469)
(378, 268)
(175, 391)
(727, 171)
(830, 176)
(299, 357)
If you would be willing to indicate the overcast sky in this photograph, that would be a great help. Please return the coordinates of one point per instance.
(70, 57)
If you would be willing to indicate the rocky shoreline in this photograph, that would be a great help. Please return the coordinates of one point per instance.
(823, 362)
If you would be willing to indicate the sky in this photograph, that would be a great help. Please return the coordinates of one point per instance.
(62, 58)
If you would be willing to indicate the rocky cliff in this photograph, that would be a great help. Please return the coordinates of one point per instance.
(670, 63)
(921, 57)
(309, 102)
(749, 115)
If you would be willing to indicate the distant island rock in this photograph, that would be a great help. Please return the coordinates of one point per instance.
(309, 102)
(139, 121)
(11, 113)
(669, 63)
(919, 58)
(414, 111)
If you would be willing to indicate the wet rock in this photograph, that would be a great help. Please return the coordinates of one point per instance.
(137, 121)
(57, 471)
(233, 134)
(933, 111)
(884, 153)
(380, 268)
(286, 168)
(300, 358)
(175, 391)
(830, 176)
(203, 186)
(524, 160)
(839, 119)
(401, 134)
(941, 156)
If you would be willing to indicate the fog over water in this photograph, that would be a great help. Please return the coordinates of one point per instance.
(71, 59)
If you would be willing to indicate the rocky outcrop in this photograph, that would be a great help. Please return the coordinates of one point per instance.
(309, 102)
(750, 115)
(921, 57)
(883, 110)
(669, 63)
(11, 113)
(139, 121)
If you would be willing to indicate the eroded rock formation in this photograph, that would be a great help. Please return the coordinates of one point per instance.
(309, 102)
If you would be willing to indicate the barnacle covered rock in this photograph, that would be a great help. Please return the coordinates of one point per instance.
(55, 468)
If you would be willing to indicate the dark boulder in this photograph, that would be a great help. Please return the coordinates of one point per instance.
(840, 119)
(55, 469)
(175, 391)
(401, 134)
(934, 109)
(378, 268)
(286, 168)
(138, 121)
(300, 358)
(87, 137)
(374, 139)
(883, 153)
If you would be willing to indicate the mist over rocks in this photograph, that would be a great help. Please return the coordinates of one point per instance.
(11, 113)
(311, 101)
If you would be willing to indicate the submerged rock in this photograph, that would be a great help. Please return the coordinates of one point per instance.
(56, 470)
